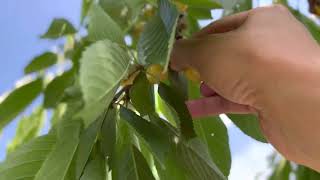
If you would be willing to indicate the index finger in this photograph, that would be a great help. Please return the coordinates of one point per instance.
(189, 53)
(224, 24)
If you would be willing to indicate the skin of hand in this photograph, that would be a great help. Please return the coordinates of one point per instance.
(265, 62)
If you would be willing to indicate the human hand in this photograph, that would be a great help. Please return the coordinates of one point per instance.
(261, 61)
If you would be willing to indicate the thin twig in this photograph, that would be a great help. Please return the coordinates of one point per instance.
(118, 95)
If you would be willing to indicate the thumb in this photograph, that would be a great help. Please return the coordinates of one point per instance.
(198, 52)
(190, 52)
(224, 25)
(183, 53)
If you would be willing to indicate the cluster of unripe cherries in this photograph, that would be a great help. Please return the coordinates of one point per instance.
(155, 74)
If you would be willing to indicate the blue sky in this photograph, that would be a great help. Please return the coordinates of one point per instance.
(22, 22)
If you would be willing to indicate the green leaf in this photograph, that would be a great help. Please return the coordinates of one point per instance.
(164, 125)
(102, 26)
(169, 14)
(73, 106)
(58, 114)
(305, 173)
(27, 129)
(142, 96)
(41, 62)
(114, 9)
(108, 134)
(282, 171)
(200, 13)
(124, 12)
(166, 111)
(175, 100)
(313, 175)
(284, 2)
(215, 135)
(248, 124)
(95, 170)
(55, 89)
(135, 7)
(197, 161)
(243, 5)
(76, 53)
(309, 23)
(179, 83)
(193, 26)
(58, 161)
(91, 112)
(72, 93)
(228, 4)
(142, 169)
(302, 173)
(130, 164)
(103, 65)
(18, 100)
(87, 141)
(59, 28)
(25, 162)
(156, 41)
(85, 8)
(173, 168)
(153, 43)
(207, 4)
(155, 137)
(187, 160)
(124, 134)
(145, 151)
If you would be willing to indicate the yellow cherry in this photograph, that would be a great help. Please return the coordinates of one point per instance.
(129, 81)
(317, 10)
(155, 74)
(138, 28)
(192, 74)
(181, 7)
(149, 11)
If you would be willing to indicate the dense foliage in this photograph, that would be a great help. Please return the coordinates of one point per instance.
(118, 112)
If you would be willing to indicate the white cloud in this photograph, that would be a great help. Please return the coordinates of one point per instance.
(251, 162)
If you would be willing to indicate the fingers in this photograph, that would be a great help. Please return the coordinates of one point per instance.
(223, 25)
(197, 52)
(189, 53)
(182, 53)
(206, 91)
(216, 105)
